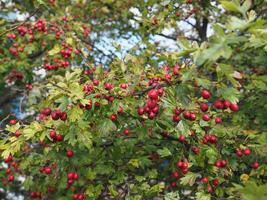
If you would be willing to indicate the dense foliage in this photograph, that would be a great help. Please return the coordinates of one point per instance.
(139, 123)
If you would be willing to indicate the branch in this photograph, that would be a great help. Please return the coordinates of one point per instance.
(20, 24)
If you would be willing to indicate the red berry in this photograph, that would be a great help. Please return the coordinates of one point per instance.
(59, 137)
(53, 134)
(141, 111)
(226, 104)
(193, 116)
(205, 180)
(8, 170)
(234, 107)
(48, 170)
(179, 164)
(113, 117)
(204, 107)
(174, 184)
(175, 174)
(215, 182)
(181, 138)
(55, 115)
(70, 153)
(238, 153)
(63, 116)
(210, 190)
(126, 132)
(175, 118)
(218, 120)
(206, 117)
(205, 94)
(11, 178)
(255, 165)
(246, 152)
(187, 115)
(12, 122)
(218, 104)
(17, 133)
(195, 150)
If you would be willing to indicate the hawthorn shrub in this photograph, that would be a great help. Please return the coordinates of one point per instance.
(153, 124)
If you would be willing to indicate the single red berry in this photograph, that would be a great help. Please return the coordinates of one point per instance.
(234, 107)
(11, 178)
(141, 111)
(59, 138)
(113, 117)
(181, 138)
(255, 165)
(126, 132)
(205, 94)
(215, 182)
(12, 122)
(210, 190)
(205, 180)
(175, 118)
(193, 116)
(175, 174)
(218, 120)
(53, 134)
(239, 153)
(206, 117)
(246, 152)
(204, 107)
(70, 153)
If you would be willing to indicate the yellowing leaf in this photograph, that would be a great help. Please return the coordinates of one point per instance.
(55, 50)
(134, 162)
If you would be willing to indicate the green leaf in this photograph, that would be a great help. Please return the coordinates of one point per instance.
(189, 178)
(165, 152)
(55, 50)
(202, 196)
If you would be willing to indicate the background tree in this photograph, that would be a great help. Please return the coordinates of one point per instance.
(118, 121)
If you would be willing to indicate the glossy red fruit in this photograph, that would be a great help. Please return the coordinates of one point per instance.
(70, 153)
(175, 174)
(108, 86)
(187, 115)
(176, 118)
(53, 134)
(195, 150)
(17, 133)
(48, 170)
(193, 116)
(204, 107)
(173, 184)
(205, 180)
(96, 82)
(205, 94)
(113, 117)
(71, 175)
(12, 122)
(218, 120)
(11, 178)
(218, 104)
(55, 115)
(8, 170)
(182, 138)
(63, 116)
(59, 137)
(226, 104)
(247, 152)
(206, 117)
(209, 189)
(239, 153)
(179, 164)
(255, 165)
(141, 111)
(234, 107)
(215, 182)
(123, 86)
(126, 132)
